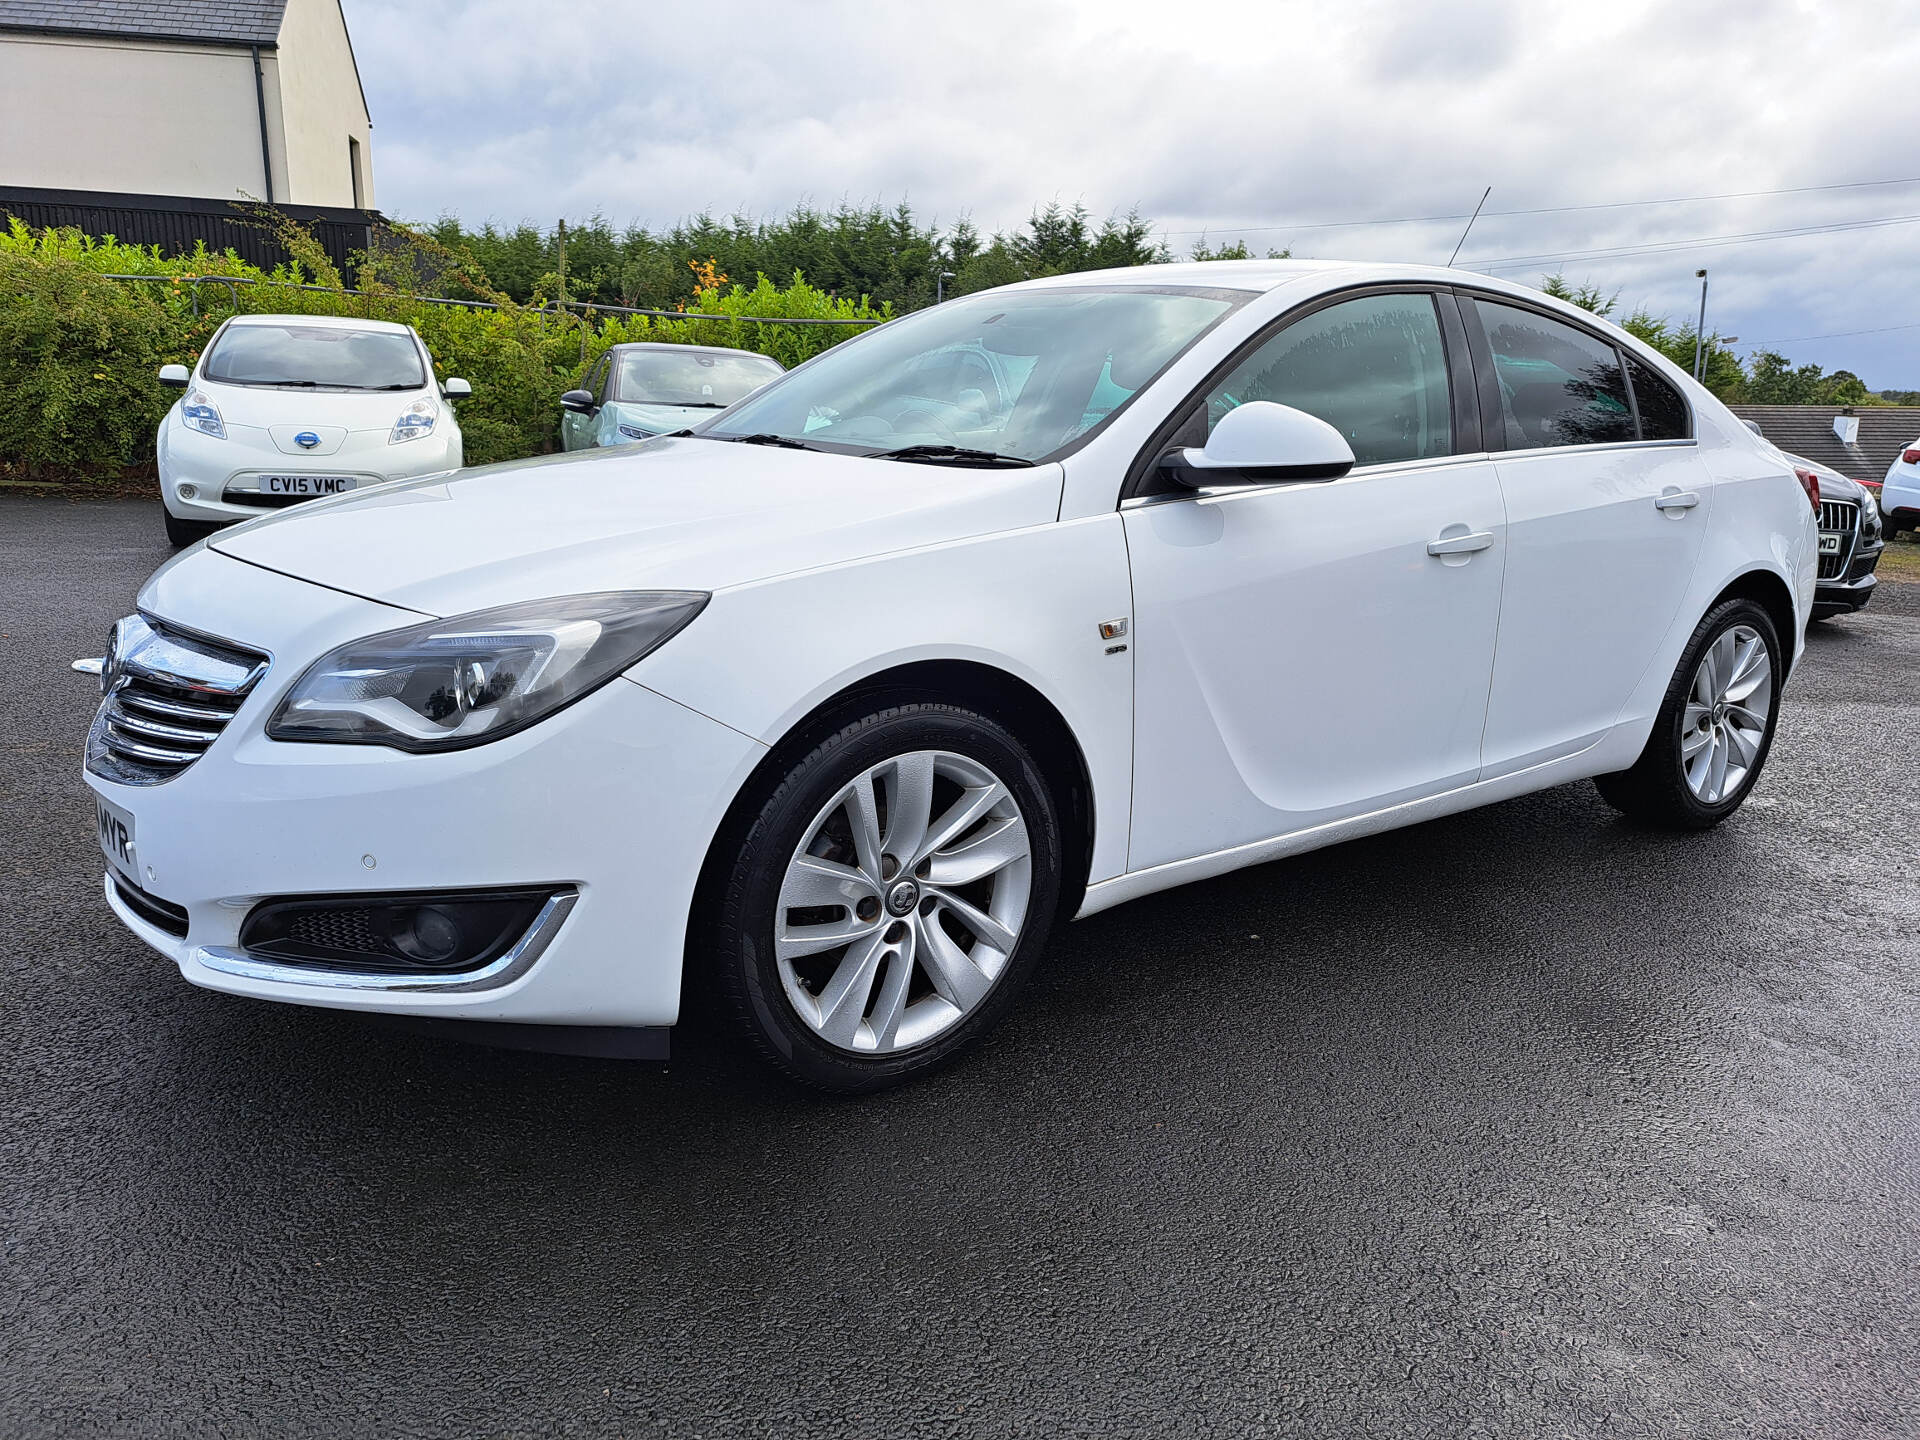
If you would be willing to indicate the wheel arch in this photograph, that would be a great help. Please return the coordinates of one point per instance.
(1772, 594)
(994, 692)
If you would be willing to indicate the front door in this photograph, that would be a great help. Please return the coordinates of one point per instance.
(1606, 506)
(577, 430)
(1301, 656)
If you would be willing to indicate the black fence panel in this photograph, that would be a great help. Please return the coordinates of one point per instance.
(175, 222)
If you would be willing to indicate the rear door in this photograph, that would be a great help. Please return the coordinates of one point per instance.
(1606, 505)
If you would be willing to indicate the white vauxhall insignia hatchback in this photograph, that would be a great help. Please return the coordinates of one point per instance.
(283, 408)
(1018, 607)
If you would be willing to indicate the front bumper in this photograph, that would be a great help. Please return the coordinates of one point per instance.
(221, 478)
(616, 798)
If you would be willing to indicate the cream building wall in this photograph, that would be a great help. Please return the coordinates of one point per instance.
(321, 106)
(135, 116)
(164, 118)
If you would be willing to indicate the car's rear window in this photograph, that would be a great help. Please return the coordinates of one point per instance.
(317, 356)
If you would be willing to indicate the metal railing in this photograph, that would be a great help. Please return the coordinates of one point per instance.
(581, 307)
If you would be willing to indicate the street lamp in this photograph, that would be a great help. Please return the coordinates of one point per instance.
(940, 286)
(1700, 331)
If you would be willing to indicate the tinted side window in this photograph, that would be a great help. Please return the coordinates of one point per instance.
(597, 379)
(1663, 414)
(1558, 385)
(1374, 368)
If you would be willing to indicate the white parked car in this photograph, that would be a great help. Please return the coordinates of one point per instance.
(284, 408)
(876, 674)
(1900, 491)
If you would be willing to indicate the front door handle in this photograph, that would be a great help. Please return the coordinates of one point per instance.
(1461, 544)
(1672, 499)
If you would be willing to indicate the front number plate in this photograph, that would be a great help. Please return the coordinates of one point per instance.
(116, 838)
(305, 484)
(1829, 544)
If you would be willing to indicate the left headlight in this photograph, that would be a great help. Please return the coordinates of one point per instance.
(416, 420)
(634, 432)
(463, 681)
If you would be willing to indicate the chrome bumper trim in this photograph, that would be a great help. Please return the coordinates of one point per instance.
(502, 971)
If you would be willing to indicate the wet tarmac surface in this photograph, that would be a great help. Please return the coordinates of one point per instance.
(1522, 1123)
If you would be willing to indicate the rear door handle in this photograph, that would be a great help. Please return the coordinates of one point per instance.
(1461, 544)
(1671, 499)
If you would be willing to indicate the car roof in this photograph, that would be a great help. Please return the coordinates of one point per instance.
(682, 349)
(1266, 275)
(324, 322)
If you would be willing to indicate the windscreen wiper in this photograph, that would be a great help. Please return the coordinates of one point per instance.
(950, 455)
(785, 442)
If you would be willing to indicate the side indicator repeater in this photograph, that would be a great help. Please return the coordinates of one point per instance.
(1113, 629)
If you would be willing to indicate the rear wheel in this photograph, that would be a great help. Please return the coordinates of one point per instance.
(1714, 729)
(889, 898)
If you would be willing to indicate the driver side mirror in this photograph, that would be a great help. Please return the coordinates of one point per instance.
(578, 401)
(456, 388)
(1261, 443)
(175, 376)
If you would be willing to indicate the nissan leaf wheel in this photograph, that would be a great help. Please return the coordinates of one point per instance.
(890, 897)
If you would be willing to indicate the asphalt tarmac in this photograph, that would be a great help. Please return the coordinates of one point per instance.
(1523, 1123)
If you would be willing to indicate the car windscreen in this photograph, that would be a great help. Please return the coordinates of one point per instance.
(315, 355)
(1018, 374)
(697, 378)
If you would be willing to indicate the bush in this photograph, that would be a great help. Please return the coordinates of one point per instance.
(79, 351)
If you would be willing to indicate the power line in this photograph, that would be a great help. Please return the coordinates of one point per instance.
(1693, 243)
(1544, 210)
(1836, 334)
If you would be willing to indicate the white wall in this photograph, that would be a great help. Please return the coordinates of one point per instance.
(143, 118)
(320, 100)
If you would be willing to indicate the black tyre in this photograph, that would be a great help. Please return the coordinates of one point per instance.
(889, 898)
(1714, 728)
(182, 533)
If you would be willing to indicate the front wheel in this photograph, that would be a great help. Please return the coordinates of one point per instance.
(1714, 727)
(889, 898)
(182, 533)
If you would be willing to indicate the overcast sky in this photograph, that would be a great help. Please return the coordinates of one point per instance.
(1258, 121)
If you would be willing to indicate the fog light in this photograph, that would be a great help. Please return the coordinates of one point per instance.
(393, 933)
(186, 492)
(427, 935)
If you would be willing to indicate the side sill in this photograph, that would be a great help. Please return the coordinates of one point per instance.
(1105, 894)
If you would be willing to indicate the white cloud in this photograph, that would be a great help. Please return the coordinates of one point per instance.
(1218, 117)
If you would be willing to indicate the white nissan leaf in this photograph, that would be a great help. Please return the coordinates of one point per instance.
(1017, 608)
(283, 408)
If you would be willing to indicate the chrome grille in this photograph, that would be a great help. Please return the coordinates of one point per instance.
(169, 694)
(1842, 518)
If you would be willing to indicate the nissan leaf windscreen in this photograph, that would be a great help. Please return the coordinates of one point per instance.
(689, 378)
(315, 357)
(993, 379)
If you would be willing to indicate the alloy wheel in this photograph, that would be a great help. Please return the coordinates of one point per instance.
(903, 902)
(1726, 714)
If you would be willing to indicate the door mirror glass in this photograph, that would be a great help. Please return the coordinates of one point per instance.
(456, 388)
(175, 376)
(578, 401)
(1263, 443)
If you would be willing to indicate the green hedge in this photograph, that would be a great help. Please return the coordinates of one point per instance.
(79, 352)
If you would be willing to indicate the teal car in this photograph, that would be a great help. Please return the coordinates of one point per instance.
(634, 392)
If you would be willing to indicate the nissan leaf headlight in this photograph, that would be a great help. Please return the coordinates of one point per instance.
(198, 412)
(416, 420)
(448, 684)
